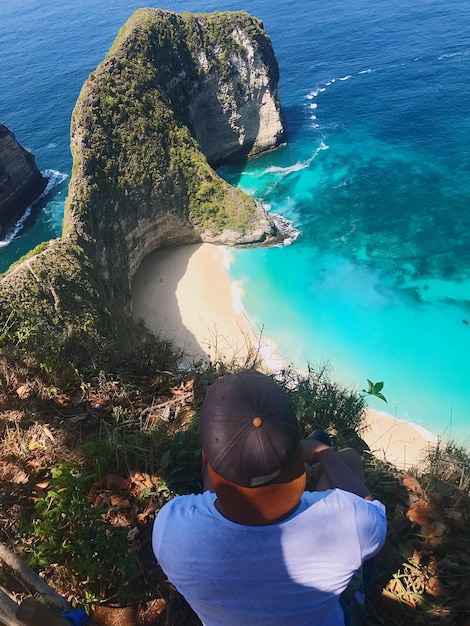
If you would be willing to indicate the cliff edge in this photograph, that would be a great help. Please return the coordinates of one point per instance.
(20, 180)
(177, 95)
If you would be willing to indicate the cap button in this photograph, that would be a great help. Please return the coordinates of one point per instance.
(257, 421)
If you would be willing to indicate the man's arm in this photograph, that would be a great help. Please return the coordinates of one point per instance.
(337, 473)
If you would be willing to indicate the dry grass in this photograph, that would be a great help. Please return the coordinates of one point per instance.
(424, 569)
(121, 431)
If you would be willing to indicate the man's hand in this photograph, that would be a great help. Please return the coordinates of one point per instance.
(337, 470)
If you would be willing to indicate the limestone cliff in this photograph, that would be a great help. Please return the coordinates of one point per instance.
(234, 104)
(171, 86)
(20, 180)
(176, 95)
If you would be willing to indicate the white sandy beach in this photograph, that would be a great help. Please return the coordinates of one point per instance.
(395, 440)
(186, 294)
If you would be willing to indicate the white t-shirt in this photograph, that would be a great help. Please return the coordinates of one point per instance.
(290, 573)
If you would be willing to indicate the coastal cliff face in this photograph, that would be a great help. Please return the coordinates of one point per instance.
(20, 180)
(176, 95)
(234, 104)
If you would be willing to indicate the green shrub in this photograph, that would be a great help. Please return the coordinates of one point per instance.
(69, 533)
(181, 463)
(322, 403)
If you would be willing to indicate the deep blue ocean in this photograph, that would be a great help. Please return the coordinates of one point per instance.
(375, 175)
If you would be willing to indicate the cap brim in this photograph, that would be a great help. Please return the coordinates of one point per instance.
(266, 504)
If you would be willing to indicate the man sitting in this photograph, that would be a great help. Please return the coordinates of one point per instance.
(255, 547)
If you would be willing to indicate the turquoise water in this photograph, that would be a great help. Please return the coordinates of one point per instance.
(376, 179)
(375, 175)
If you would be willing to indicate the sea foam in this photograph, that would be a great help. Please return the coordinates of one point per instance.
(54, 179)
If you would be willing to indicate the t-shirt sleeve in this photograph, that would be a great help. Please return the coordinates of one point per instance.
(159, 530)
(371, 526)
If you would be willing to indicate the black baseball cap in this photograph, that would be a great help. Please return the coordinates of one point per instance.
(248, 428)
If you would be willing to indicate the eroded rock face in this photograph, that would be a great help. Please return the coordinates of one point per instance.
(176, 95)
(20, 180)
(239, 117)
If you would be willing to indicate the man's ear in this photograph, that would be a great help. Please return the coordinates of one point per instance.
(204, 458)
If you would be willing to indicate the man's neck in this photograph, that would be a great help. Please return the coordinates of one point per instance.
(247, 519)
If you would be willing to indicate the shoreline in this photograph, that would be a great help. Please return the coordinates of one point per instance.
(392, 439)
(188, 292)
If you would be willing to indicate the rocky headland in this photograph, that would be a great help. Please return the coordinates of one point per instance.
(176, 96)
(20, 180)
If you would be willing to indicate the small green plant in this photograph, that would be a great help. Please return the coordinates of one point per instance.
(70, 533)
(182, 464)
(375, 389)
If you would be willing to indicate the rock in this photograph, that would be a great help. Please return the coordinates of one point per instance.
(20, 180)
(238, 116)
(176, 95)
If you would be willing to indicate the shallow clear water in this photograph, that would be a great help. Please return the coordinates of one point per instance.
(375, 175)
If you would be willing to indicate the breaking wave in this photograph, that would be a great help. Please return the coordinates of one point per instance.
(300, 165)
(55, 178)
(286, 228)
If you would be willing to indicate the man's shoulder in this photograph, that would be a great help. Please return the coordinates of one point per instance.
(340, 499)
(182, 505)
(179, 515)
(355, 517)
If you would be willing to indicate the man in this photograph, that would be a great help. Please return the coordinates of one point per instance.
(255, 547)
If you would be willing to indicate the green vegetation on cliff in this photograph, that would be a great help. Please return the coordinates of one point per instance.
(60, 319)
(136, 142)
